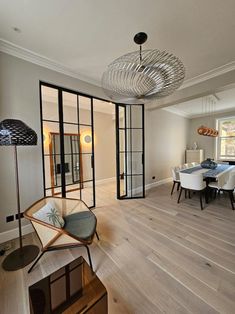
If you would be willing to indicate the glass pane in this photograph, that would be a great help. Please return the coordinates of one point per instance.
(128, 116)
(137, 166)
(122, 182)
(87, 173)
(84, 110)
(50, 128)
(227, 147)
(86, 139)
(227, 128)
(122, 140)
(137, 186)
(49, 103)
(73, 191)
(136, 140)
(48, 193)
(72, 169)
(121, 117)
(87, 193)
(122, 164)
(70, 107)
(49, 172)
(68, 169)
(128, 183)
(71, 129)
(134, 163)
(136, 116)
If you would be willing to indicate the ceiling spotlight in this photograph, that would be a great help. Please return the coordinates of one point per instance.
(16, 29)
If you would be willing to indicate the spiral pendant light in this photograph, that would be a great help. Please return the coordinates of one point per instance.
(142, 75)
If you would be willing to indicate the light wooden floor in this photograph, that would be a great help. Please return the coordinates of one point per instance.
(154, 256)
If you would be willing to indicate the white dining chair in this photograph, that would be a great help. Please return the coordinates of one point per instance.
(192, 182)
(228, 186)
(176, 178)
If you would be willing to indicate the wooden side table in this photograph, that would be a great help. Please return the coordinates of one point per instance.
(69, 290)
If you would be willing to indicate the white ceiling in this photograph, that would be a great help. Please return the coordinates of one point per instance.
(219, 102)
(86, 35)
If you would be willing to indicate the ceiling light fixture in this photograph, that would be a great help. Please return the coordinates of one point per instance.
(143, 75)
(208, 106)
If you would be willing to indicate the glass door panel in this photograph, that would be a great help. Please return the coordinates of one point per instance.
(68, 147)
(130, 151)
(51, 147)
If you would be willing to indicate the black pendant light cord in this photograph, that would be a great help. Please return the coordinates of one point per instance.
(140, 54)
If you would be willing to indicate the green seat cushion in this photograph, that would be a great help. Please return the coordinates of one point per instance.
(81, 225)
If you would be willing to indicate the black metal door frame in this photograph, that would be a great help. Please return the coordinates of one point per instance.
(61, 130)
(126, 150)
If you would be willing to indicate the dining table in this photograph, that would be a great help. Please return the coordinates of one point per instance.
(219, 174)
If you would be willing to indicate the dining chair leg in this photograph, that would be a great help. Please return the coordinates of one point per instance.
(231, 198)
(189, 194)
(201, 200)
(185, 193)
(181, 189)
(178, 186)
(215, 192)
(172, 190)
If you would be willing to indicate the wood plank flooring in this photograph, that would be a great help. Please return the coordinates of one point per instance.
(154, 256)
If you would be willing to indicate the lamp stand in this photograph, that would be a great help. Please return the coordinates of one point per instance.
(24, 255)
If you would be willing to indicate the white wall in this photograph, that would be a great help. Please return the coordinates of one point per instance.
(166, 140)
(19, 99)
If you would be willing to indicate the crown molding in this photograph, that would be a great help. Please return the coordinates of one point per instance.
(33, 57)
(177, 111)
(209, 75)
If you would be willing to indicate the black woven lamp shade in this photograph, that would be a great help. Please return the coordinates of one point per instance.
(17, 133)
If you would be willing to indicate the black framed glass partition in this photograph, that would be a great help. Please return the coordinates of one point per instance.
(130, 151)
(67, 123)
(68, 143)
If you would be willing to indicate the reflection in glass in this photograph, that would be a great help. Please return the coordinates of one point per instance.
(72, 156)
(69, 107)
(84, 110)
(50, 104)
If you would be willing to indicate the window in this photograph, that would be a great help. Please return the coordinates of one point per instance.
(226, 138)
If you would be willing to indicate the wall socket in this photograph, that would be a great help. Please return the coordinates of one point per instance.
(10, 218)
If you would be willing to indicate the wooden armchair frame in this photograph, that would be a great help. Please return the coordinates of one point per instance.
(53, 238)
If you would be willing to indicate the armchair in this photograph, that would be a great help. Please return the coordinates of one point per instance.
(78, 230)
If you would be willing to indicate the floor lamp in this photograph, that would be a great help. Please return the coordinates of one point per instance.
(16, 133)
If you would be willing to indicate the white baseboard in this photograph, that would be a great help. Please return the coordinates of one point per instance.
(157, 183)
(102, 181)
(152, 185)
(14, 233)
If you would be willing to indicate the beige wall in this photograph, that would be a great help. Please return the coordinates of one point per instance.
(205, 142)
(105, 145)
(19, 98)
(166, 141)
